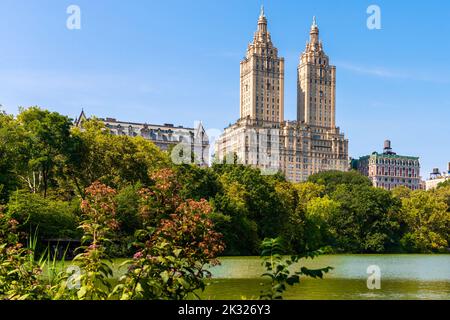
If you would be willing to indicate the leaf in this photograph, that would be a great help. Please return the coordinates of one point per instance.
(177, 252)
(184, 283)
(293, 280)
(165, 276)
(317, 273)
(81, 293)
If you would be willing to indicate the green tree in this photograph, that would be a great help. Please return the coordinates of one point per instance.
(114, 160)
(48, 218)
(332, 179)
(48, 143)
(428, 220)
(444, 184)
(251, 204)
(318, 214)
(367, 219)
(232, 220)
(401, 192)
(197, 182)
(11, 147)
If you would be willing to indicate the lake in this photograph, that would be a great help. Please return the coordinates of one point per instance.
(402, 277)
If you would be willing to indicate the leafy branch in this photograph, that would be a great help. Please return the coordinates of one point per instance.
(278, 268)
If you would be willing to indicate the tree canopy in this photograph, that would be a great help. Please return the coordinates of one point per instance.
(46, 164)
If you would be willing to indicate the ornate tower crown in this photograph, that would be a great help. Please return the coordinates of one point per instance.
(314, 43)
(261, 34)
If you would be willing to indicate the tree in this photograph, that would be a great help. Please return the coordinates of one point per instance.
(309, 190)
(114, 160)
(401, 192)
(318, 214)
(11, 142)
(332, 179)
(48, 142)
(231, 216)
(367, 219)
(47, 218)
(306, 228)
(251, 201)
(196, 182)
(428, 220)
(444, 184)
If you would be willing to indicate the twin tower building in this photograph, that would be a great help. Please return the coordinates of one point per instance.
(262, 137)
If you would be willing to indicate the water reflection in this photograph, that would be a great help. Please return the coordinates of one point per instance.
(403, 277)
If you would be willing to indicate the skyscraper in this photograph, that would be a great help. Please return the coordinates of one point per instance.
(262, 78)
(316, 84)
(261, 137)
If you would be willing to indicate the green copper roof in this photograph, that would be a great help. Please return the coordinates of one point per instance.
(388, 156)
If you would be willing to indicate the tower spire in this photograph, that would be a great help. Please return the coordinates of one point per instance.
(314, 23)
(262, 22)
(314, 34)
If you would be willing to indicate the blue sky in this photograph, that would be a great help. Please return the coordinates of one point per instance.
(178, 62)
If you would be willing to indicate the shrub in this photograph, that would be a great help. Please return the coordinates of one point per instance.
(98, 223)
(52, 218)
(173, 248)
(19, 273)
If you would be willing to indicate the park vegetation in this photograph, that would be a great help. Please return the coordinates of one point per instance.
(122, 197)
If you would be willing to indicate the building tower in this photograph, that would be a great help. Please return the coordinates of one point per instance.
(262, 78)
(261, 137)
(316, 84)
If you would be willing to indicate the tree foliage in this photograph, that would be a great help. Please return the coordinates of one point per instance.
(428, 219)
(46, 165)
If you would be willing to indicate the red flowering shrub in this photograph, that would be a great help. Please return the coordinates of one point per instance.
(175, 246)
(191, 226)
(99, 222)
(160, 200)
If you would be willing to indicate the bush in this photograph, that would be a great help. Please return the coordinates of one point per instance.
(50, 218)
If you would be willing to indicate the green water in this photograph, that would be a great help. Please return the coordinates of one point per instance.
(402, 277)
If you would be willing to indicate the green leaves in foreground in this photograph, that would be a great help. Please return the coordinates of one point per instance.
(278, 268)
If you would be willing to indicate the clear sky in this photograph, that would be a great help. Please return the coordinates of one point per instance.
(177, 61)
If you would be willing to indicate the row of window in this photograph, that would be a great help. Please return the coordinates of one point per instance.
(395, 162)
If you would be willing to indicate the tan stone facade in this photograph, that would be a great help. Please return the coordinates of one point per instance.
(262, 78)
(261, 137)
(308, 149)
(316, 84)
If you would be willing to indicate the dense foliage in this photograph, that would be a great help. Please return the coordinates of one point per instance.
(121, 196)
(175, 243)
(46, 166)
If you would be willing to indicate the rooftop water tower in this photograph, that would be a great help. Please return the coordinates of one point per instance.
(387, 147)
(435, 174)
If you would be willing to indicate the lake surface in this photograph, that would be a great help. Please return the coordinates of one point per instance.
(402, 277)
